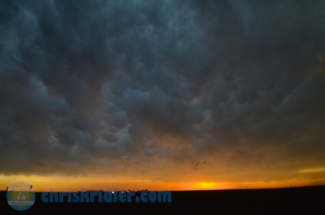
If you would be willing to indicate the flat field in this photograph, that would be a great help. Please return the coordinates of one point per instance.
(300, 200)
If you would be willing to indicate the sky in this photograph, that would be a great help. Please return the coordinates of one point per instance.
(162, 95)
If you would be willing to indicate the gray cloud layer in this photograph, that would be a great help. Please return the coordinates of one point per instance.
(84, 83)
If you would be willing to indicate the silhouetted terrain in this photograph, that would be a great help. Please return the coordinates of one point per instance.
(302, 200)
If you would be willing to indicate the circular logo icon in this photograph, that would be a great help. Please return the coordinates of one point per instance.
(21, 196)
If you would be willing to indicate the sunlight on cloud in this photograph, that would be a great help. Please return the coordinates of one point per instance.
(312, 170)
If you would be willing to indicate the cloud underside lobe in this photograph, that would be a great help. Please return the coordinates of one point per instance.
(150, 87)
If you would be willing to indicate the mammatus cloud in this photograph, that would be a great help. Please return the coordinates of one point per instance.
(137, 86)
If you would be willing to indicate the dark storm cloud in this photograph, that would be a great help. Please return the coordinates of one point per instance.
(84, 83)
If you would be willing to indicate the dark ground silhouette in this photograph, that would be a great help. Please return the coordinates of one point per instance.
(302, 200)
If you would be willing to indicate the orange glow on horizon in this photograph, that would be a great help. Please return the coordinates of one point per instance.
(65, 183)
(205, 186)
